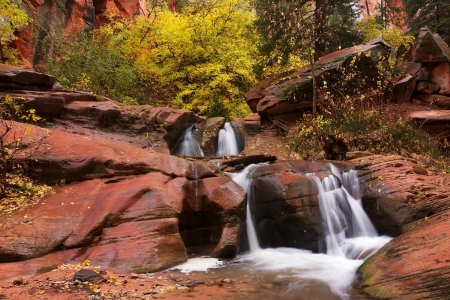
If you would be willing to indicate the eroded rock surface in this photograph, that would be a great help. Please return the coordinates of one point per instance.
(404, 199)
(128, 209)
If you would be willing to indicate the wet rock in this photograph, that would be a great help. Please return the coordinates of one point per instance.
(415, 265)
(398, 192)
(286, 209)
(125, 211)
(87, 275)
(171, 121)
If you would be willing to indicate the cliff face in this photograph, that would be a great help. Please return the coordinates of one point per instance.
(54, 15)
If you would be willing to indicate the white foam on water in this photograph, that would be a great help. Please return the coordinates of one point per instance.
(350, 237)
(200, 264)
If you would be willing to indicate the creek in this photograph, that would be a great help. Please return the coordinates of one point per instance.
(348, 239)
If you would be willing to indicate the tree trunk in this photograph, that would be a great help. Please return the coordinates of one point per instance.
(320, 19)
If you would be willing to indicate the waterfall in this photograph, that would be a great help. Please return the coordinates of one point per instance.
(228, 144)
(189, 143)
(245, 182)
(348, 233)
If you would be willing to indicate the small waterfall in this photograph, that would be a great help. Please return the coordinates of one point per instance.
(189, 143)
(245, 182)
(348, 233)
(228, 144)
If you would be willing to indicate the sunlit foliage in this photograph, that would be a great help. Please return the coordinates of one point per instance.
(12, 19)
(200, 58)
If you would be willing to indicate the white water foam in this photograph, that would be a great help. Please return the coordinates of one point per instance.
(189, 143)
(350, 238)
(199, 264)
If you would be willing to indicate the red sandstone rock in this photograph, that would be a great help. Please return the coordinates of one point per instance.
(427, 87)
(398, 192)
(403, 88)
(172, 121)
(126, 223)
(430, 48)
(415, 265)
(441, 76)
(102, 113)
(210, 135)
(287, 93)
(252, 122)
(14, 77)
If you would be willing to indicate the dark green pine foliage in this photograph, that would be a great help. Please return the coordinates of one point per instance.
(432, 13)
(283, 25)
(341, 31)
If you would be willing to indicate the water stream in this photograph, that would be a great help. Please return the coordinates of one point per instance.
(228, 143)
(349, 238)
(189, 143)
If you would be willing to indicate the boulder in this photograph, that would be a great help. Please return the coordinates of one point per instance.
(409, 68)
(286, 93)
(252, 122)
(430, 48)
(403, 88)
(171, 121)
(415, 265)
(285, 204)
(435, 122)
(17, 78)
(424, 74)
(427, 87)
(441, 76)
(210, 135)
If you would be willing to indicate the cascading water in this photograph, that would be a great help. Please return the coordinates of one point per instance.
(348, 233)
(228, 144)
(189, 143)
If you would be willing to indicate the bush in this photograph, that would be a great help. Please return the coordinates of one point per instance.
(17, 144)
(367, 130)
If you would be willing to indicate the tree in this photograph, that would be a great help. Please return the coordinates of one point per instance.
(282, 25)
(433, 13)
(204, 55)
(12, 19)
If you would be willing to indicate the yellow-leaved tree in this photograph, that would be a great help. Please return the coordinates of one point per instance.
(12, 19)
(204, 55)
(200, 58)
